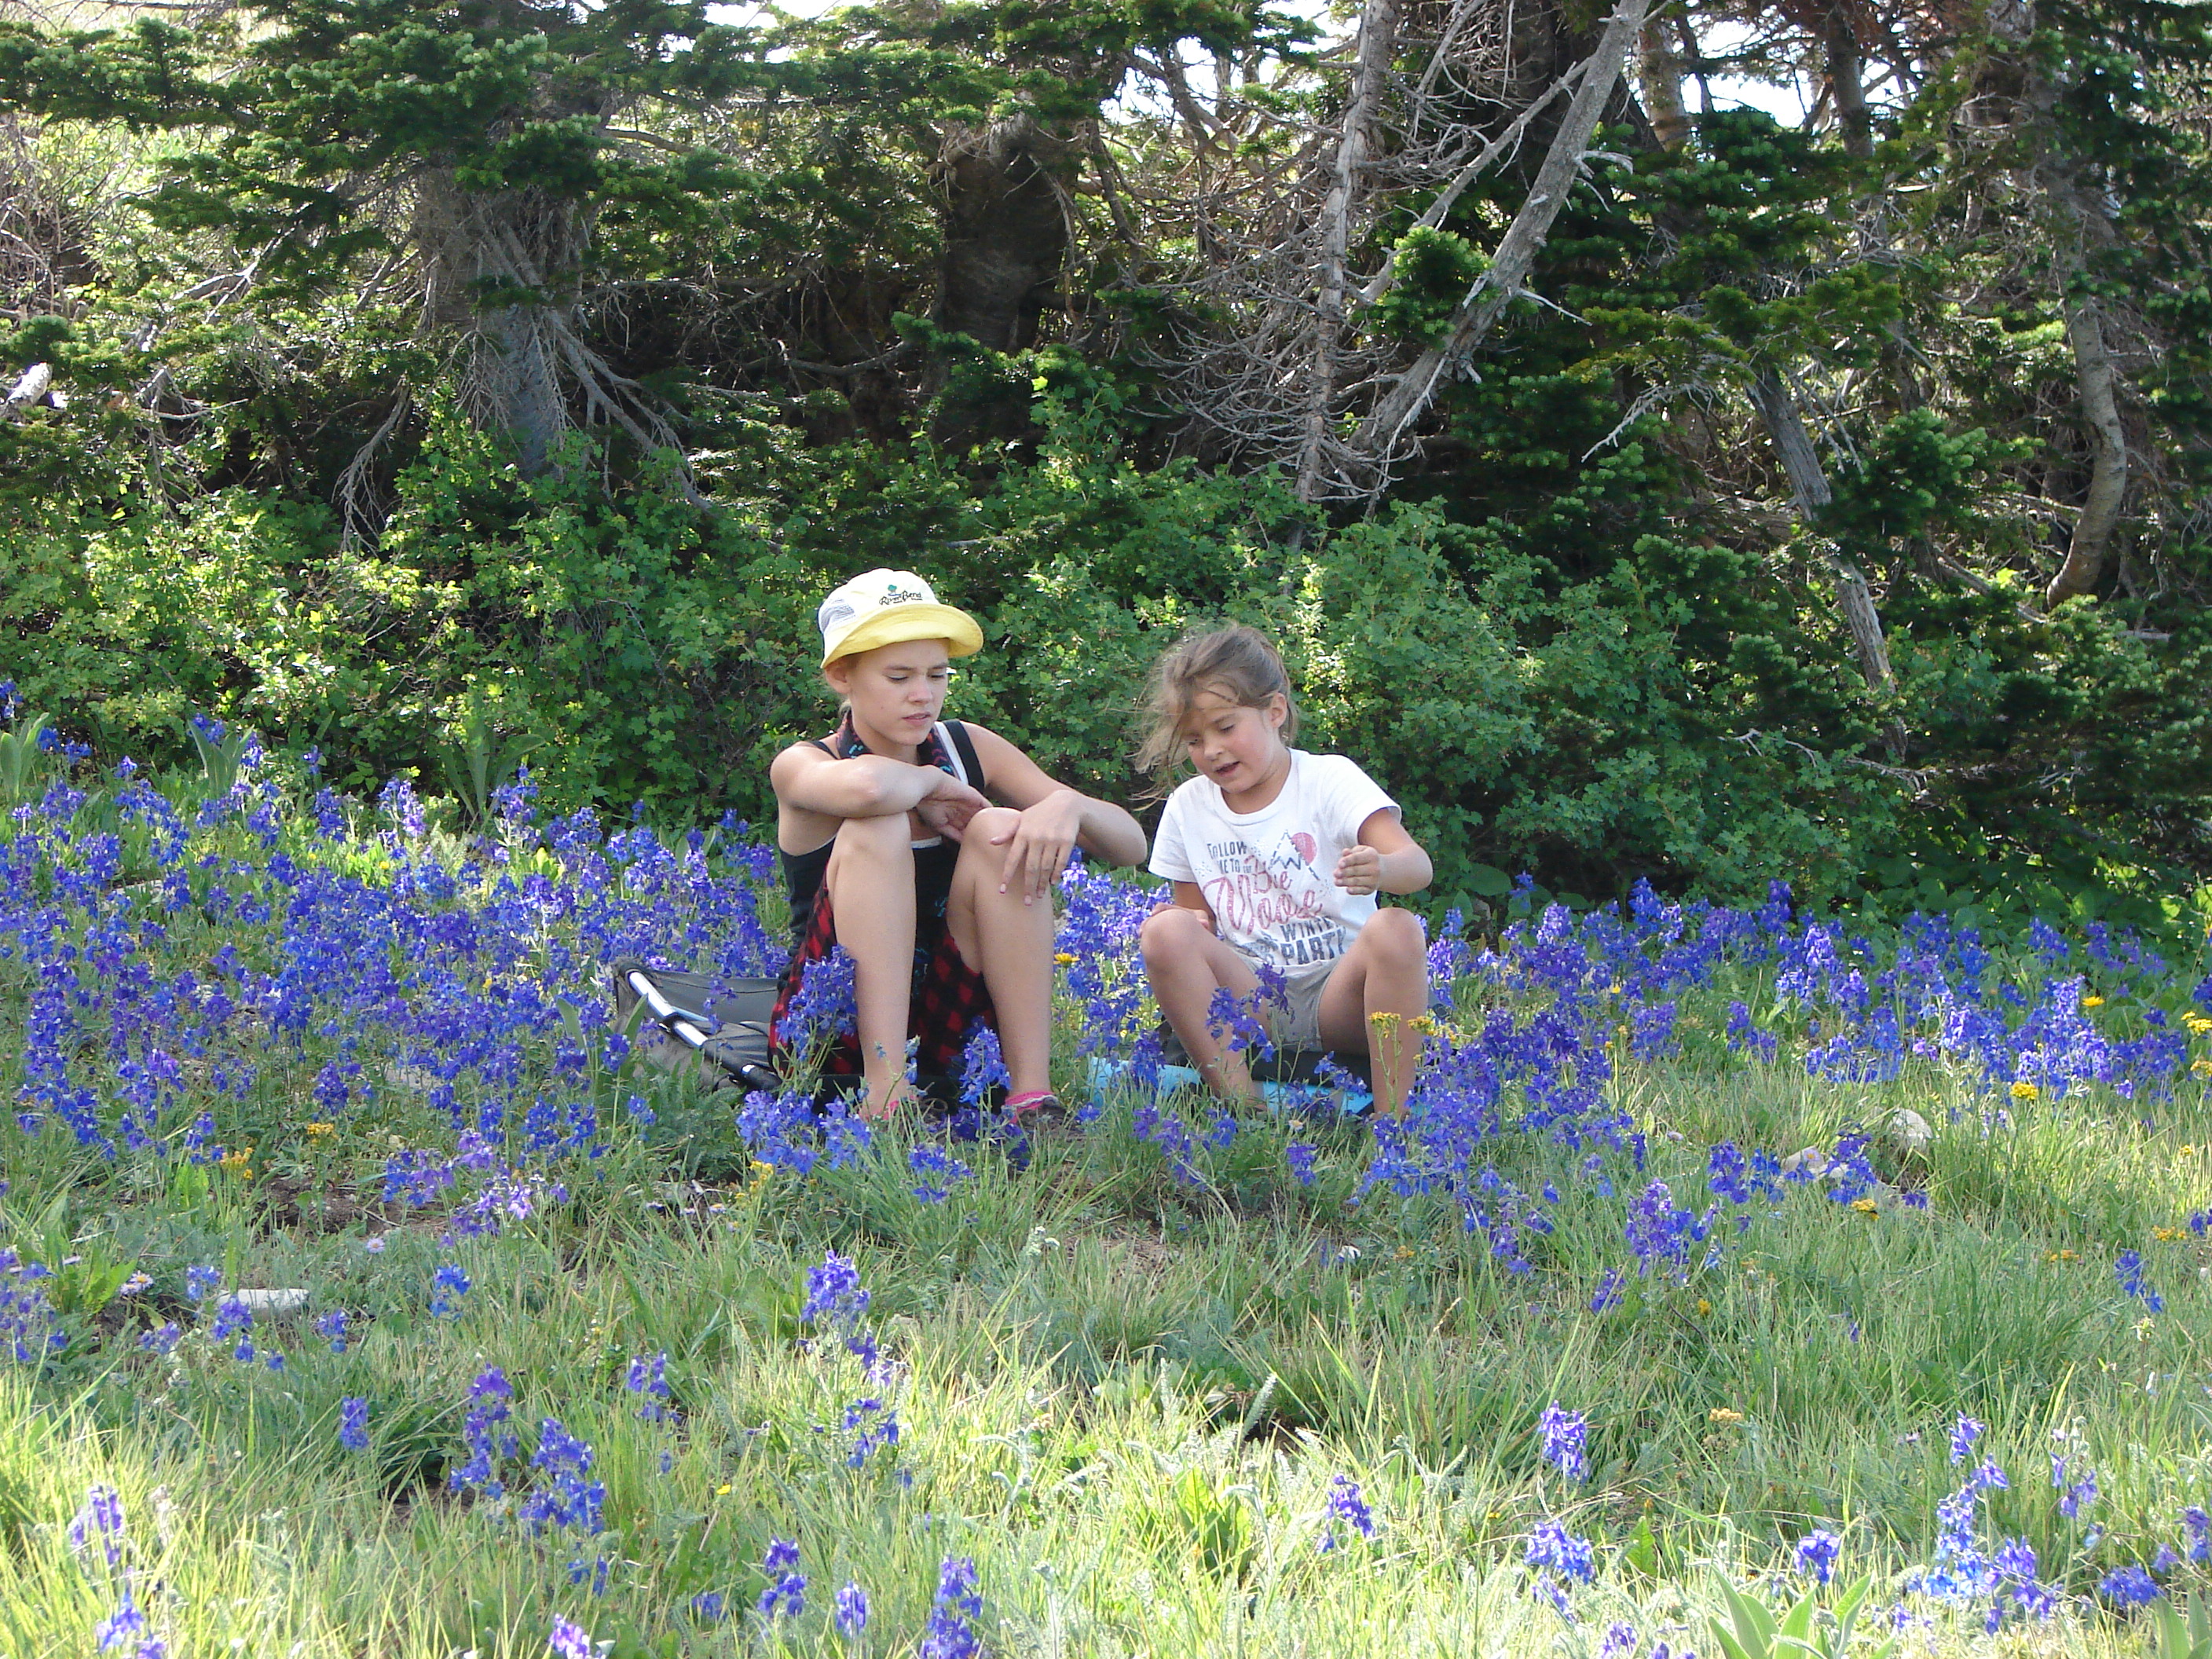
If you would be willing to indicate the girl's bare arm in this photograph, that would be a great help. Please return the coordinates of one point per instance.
(865, 787)
(1105, 831)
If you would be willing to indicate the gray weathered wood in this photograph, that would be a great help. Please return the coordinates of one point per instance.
(1411, 393)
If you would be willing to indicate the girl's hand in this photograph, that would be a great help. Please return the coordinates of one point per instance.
(1359, 870)
(1040, 843)
(947, 808)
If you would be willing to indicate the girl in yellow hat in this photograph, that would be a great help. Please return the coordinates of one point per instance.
(892, 848)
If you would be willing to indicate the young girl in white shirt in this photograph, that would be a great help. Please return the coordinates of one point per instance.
(1276, 856)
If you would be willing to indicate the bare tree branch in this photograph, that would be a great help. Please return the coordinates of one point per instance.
(1409, 396)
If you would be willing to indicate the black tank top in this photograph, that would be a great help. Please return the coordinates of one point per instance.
(949, 749)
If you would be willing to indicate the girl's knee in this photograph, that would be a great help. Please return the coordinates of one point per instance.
(1396, 935)
(875, 835)
(1170, 934)
(980, 839)
(868, 842)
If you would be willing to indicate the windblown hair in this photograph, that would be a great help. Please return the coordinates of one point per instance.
(1236, 664)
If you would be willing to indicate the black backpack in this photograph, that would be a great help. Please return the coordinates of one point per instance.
(691, 1022)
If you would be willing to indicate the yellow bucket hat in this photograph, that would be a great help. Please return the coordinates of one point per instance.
(887, 607)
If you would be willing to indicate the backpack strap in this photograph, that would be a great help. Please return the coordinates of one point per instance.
(962, 749)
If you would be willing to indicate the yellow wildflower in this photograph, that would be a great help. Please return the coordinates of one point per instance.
(722, 1491)
(1866, 1207)
(1425, 1024)
(1722, 1414)
(1384, 1020)
(319, 1130)
(2025, 1091)
(2202, 1068)
(1063, 957)
(2198, 1025)
(2058, 1255)
(1703, 1307)
(2092, 1002)
(2167, 1234)
(2186, 1152)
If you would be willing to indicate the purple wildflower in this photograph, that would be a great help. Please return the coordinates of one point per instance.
(1348, 1504)
(950, 1632)
(1816, 1554)
(1964, 1433)
(852, 1609)
(1565, 1436)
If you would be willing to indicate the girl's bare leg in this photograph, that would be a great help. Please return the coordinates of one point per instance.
(871, 886)
(1010, 944)
(1385, 972)
(1186, 965)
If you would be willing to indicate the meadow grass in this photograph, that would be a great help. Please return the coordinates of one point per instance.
(1128, 1387)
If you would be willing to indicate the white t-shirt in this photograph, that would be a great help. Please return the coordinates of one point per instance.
(1270, 875)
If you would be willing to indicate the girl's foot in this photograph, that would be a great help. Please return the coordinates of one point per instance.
(1039, 1109)
(902, 1095)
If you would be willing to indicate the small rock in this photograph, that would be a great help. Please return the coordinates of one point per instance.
(1811, 1161)
(1909, 1129)
(273, 1304)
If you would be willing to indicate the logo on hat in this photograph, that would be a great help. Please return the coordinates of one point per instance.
(884, 607)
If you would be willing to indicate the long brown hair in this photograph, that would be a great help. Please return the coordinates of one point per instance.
(1235, 663)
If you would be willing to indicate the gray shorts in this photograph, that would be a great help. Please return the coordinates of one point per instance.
(1296, 1027)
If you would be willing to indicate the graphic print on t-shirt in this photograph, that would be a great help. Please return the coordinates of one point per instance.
(1275, 898)
(1270, 877)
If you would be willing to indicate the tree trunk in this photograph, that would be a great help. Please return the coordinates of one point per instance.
(1808, 485)
(1411, 392)
(2108, 466)
(1659, 81)
(500, 269)
(1845, 83)
(1356, 144)
(1005, 233)
(2078, 228)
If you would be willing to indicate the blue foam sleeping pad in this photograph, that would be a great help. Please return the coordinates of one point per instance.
(1278, 1096)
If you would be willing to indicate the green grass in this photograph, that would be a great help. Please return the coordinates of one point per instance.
(1127, 1398)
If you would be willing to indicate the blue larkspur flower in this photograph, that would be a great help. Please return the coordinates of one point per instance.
(1816, 1554)
(1964, 1433)
(447, 1287)
(950, 1632)
(1346, 1505)
(2128, 1270)
(852, 1609)
(2129, 1586)
(1552, 1547)
(99, 1523)
(1564, 1434)
(786, 1595)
